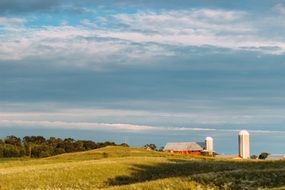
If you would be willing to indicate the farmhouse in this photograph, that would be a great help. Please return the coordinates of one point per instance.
(184, 148)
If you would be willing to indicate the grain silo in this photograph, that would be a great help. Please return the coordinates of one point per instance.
(244, 147)
(209, 145)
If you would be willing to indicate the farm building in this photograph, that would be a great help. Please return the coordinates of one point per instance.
(276, 157)
(184, 148)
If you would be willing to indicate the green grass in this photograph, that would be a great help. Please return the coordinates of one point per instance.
(117, 168)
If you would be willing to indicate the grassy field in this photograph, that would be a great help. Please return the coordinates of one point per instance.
(117, 168)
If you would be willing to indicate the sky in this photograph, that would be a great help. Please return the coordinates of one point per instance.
(144, 71)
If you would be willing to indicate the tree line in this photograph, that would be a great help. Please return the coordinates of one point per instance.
(39, 146)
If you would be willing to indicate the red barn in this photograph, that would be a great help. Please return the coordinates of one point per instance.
(184, 148)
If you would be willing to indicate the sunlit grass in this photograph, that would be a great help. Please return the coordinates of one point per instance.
(132, 168)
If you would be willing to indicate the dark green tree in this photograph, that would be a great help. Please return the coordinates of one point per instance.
(89, 145)
(34, 139)
(40, 151)
(124, 145)
(263, 155)
(150, 146)
(13, 140)
(12, 151)
(253, 157)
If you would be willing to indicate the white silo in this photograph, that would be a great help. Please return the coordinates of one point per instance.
(244, 147)
(209, 145)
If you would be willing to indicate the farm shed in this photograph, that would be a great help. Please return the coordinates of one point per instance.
(184, 148)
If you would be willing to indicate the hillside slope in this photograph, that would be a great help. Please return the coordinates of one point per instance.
(119, 168)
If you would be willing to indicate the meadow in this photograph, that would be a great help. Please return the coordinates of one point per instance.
(117, 168)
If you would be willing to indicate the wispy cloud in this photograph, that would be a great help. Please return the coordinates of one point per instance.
(202, 27)
(116, 127)
(207, 116)
(16, 6)
(72, 46)
(75, 125)
(11, 22)
(279, 8)
(196, 20)
(145, 35)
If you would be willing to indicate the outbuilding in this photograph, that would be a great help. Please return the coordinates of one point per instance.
(184, 148)
(276, 157)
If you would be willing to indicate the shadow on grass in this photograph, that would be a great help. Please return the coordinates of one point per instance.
(222, 174)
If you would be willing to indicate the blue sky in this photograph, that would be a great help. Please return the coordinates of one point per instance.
(144, 70)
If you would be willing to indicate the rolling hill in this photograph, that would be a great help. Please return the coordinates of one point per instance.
(116, 168)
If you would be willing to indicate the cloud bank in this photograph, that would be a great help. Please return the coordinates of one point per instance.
(147, 36)
(16, 6)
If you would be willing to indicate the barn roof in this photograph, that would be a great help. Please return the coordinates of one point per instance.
(182, 146)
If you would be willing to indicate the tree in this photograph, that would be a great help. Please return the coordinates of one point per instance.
(263, 155)
(34, 139)
(54, 142)
(12, 151)
(124, 145)
(38, 146)
(150, 146)
(28, 147)
(1, 150)
(40, 151)
(68, 145)
(78, 146)
(13, 140)
(253, 157)
(57, 151)
(106, 143)
(89, 145)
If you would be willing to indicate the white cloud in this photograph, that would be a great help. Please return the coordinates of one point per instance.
(58, 116)
(218, 15)
(75, 125)
(74, 47)
(205, 116)
(143, 35)
(198, 27)
(197, 20)
(11, 22)
(115, 127)
(279, 8)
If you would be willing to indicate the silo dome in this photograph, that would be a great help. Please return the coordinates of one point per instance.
(243, 132)
(209, 139)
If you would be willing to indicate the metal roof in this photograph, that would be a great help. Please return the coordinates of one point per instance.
(276, 157)
(182, 146)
